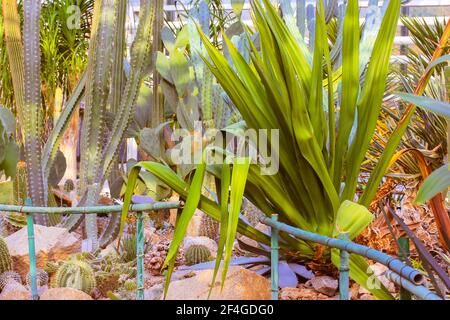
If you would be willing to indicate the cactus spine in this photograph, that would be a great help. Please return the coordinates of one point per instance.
(197, 253)
(75, 274)
(6, 263)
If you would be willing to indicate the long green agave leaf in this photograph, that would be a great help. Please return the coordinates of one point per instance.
(350, 85)
(224, 195)
(191, 205)
(369, 104)
(238, 180)
(183, 221)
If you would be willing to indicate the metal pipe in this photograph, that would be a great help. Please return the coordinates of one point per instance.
(274, 259)
(140, 256)
(344, 268)
(89, 210)
(31, 252)
(394, 264)
(419, 291)
(403, 243)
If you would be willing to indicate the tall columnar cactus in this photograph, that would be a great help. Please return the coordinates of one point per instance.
(33, 118)
(25, 61)
(6, 263)
(75, 274)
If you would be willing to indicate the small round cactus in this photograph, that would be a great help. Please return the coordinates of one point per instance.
(41, 278)
(197, 253)
(6, 263)
(76, 274)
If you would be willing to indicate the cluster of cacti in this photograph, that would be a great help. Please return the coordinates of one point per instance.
(154, 259)
(41, 278)
(197, 253)
(128, 248)
(75, 274)
(6, 262)
(9, 276)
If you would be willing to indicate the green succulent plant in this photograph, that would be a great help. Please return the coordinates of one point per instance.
(197, 254)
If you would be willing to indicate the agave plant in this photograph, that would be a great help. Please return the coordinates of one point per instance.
(323, 139)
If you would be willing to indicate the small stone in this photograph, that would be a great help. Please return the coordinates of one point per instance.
(154, 293)
(325, 284)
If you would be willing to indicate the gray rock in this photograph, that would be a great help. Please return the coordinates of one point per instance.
(324, 284)
(154, 293)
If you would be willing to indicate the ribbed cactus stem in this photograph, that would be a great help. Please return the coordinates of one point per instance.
(33, 118)
(6, 263)
(75, 274)
(13, 41)
(197, 253)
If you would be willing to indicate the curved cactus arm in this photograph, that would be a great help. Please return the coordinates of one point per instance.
(33, 114)
(111, 231)
(140, 50)
(53, 141)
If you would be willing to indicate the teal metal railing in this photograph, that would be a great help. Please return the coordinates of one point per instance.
(29, 210)
(406, 277)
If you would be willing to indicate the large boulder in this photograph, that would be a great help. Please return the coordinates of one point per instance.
(51, 243)
(240, 284)
(65, 294)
